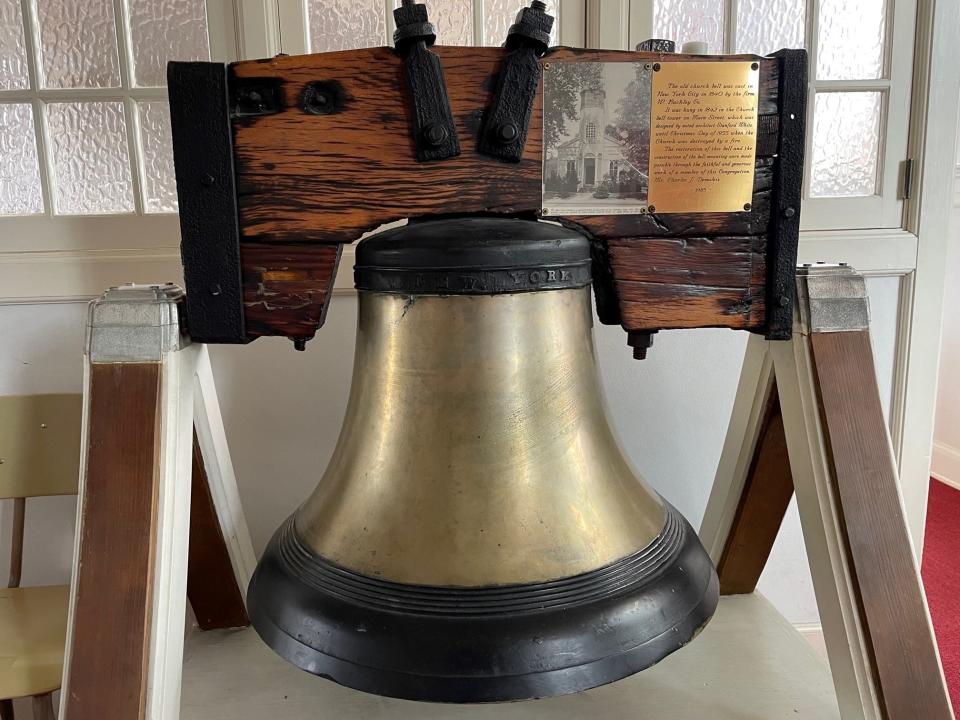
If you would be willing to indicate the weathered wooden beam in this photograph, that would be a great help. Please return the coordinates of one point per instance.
(665, 283)
(322, 153)
(330, 178)
(287, 287)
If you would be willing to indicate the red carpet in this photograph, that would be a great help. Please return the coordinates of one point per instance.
(941, 578)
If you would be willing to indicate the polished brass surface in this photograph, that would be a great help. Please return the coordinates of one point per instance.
(475, 449)
(703, 136)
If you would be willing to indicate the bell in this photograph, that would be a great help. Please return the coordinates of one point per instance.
(478, 535)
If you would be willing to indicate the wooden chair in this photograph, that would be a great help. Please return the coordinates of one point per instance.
(39, 455)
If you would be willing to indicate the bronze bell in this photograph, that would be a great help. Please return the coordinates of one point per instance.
(478, 535)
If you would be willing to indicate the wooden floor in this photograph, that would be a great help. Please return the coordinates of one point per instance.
(748, 664)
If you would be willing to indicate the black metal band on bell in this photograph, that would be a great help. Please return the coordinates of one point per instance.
(473, 256)
(483, 644)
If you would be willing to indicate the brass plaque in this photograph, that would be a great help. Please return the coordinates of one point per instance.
(703, 136)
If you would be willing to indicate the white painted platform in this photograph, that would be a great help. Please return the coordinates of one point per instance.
(748, 664)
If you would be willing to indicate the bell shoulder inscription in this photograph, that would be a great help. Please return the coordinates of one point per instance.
(474, 282)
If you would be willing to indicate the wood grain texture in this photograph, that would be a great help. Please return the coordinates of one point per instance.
(665, 283)
(892, 600)
(108, 663)
(763, 504)
(305, 180)
(212, 589)
(328, 178)
(287, 288)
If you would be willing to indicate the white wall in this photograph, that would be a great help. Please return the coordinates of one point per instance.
(282, 410)
(40, 352)
(946, 436)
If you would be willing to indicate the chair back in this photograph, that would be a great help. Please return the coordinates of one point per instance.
(40, 444)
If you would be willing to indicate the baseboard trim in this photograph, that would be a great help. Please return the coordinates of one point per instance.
(813, 634)
(945, 464)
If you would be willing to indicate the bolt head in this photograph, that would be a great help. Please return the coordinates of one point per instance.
(783, 301)
(435, 134)
(789, 212)
(507, 132)
(207, 180)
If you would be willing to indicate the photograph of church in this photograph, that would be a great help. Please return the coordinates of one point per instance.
(596, 129)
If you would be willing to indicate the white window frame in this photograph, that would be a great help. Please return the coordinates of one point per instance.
(50, 256)
(882, 210)
(293, 24)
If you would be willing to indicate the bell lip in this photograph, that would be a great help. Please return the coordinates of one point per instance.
(658, 615)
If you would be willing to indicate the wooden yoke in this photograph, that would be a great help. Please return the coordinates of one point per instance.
(282, 161)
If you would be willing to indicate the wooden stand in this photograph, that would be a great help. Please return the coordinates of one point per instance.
(816, 398)
(145, 387)
(813, 398)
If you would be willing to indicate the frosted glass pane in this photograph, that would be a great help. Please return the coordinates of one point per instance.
(91, 165)
(851, 36)
(453, 20)
(846, 142)
(20, 192)
(162, 30)
(346, 24)
(499, 15)
(765, 26)
(688, 20)
(78, 44)
(13, 53)
(159, 182)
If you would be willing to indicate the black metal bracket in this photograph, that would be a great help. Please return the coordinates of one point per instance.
(434, 133)
(787, 191)
(504, 130)
(200, 107)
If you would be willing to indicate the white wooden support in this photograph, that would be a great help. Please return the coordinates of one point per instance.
(833, 579)
(212, 438)
(876, 626)
(753, 391)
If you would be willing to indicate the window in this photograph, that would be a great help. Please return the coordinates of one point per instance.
(590, 131)
(348, 24)
(84, 122)
(858, 104)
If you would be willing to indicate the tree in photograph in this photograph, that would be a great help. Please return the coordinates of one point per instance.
(633, 118)
(564, 84)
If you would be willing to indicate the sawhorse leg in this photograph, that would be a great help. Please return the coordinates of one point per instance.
(128, 597)
(841, 463)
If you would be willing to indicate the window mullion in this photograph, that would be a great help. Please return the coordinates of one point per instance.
(131, 121)
(881, 85)
(730, 26)
(812, 34)
(31, 42)
(478, 38)
(388, 25)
